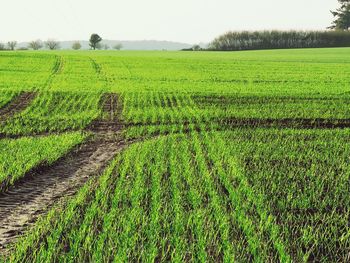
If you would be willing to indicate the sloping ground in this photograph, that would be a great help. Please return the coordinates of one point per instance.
(18, 104)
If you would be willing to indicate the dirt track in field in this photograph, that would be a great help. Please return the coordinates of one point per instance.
(22, 203)
(17, 105)
(32, 196)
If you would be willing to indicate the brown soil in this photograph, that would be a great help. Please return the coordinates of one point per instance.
(298, 123)
(23, 202)
(17, 105)
(32, 196)
(112, 108)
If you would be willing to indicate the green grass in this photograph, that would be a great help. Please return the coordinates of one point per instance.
(209, 182)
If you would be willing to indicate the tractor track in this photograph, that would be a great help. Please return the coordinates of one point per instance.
(44, 186)
(18, 104)
(37, 191)
(56, 70)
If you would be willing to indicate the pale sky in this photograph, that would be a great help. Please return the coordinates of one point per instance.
(190, 21)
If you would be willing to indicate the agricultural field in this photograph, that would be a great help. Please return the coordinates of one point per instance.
(175, 156)
(19, 156)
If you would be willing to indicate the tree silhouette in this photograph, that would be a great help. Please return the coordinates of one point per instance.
(76, 45)
(35, 44)
(95, 39)
(52, 44)
(12, 44)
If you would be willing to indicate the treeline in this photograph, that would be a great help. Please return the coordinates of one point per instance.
(250, 40)
(35, 45)
(52, 44)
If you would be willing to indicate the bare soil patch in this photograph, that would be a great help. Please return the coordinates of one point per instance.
(17, 105)
(22, 203)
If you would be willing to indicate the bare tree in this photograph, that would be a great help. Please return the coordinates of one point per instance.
(35, 44)
(12, 44)
(76, 45)
(52, 44)
(118, 46)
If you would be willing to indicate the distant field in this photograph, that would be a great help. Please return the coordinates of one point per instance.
(215, 156)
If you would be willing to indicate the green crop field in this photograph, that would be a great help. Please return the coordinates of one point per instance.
(213, 156)
(18, 156)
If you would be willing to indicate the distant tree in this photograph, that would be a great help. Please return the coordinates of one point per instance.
(95, 39)
(76, 45)
(2, 46)
(118, 46)
(52, 44)
(196, 48)
(105, 47)
(35, 44)
(11, 45)
(187, 49)
(342, 16)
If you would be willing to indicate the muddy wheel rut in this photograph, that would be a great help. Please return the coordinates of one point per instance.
(18, 104)
(43, 187)
(32, 196)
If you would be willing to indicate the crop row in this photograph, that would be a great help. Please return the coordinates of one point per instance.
(164, 111)
(24, 71)
(176, 88)
(304, 178)
(5, 97)
(18, 156)
(55, 112)
(296, 72)
(151, 204)
(262, 195)
(177, 108)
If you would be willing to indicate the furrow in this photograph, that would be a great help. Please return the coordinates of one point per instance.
(22, 203)
(17, 105)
